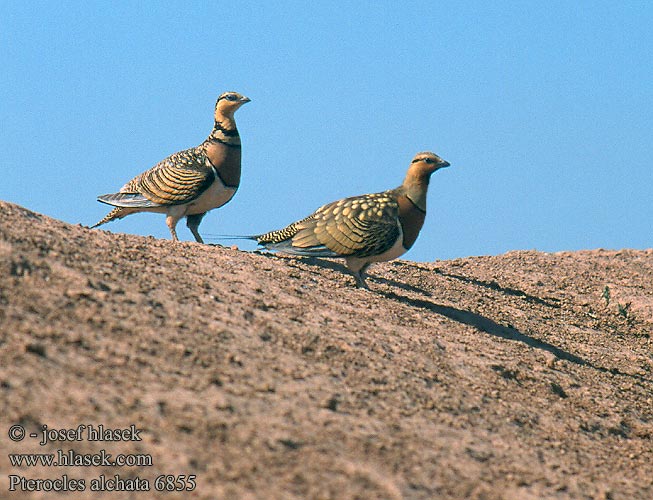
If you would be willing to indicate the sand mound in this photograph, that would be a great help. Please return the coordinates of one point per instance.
(510, 377)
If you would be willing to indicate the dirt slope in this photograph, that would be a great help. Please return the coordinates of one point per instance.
(508, 377)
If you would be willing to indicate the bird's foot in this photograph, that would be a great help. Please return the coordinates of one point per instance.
(360, 282)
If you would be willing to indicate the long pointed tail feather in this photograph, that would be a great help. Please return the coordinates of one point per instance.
(252, 237)
(116, 213)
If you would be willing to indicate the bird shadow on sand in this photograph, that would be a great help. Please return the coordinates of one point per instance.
(337, 266)
(493, 285)
(399, 284)
(486, 325)
(495, 329)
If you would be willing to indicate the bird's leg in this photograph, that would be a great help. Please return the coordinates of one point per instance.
(193, 223)
(360, 277)
(171, 222)
(357, 267)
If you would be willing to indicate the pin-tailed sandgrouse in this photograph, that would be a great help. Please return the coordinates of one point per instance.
(363, 229)
(191, 182)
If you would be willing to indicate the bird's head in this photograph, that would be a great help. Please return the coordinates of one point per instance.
(426, 163)
(228, 103)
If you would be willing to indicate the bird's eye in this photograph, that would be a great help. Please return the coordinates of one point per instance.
(429, 160)
(231, 97)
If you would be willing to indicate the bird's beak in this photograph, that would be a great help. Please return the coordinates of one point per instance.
(444, 164)
(244, 99)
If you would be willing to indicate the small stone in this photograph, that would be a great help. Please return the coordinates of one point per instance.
(550, 361)
(38, 349)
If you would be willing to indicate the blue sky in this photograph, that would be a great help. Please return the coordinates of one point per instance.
(544, 110)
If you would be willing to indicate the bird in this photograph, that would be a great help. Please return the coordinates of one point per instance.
(191, 182)
(363, 229)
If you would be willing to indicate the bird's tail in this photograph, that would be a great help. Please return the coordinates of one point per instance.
(116, 213)
(282, 235)
(232, 236)
(262, 239)
(280, 241)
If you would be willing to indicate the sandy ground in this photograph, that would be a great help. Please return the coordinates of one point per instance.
(506, 377)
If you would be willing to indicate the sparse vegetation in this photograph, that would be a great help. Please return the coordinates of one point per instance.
(606, 295)
(624, 309)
